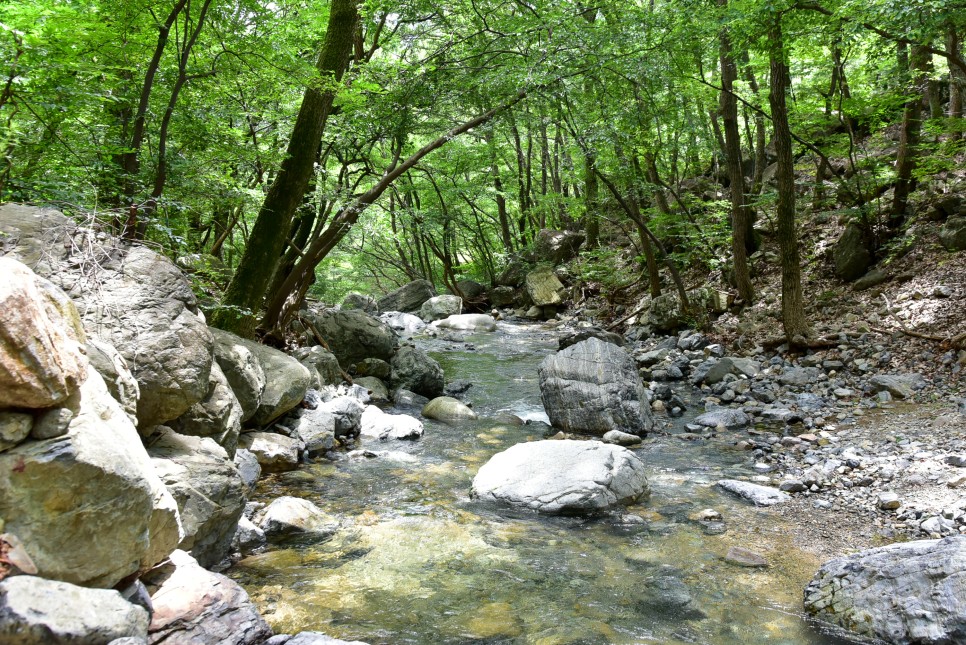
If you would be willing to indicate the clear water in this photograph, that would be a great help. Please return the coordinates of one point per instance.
(417, 561)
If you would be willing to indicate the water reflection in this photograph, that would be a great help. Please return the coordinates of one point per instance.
(417, 561)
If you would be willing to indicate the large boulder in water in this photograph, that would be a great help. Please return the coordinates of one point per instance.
(36, 611)
(566, 477)
(289, 516)
(88, 505)
(439, 307)
(593, 387)
(408, 298)
(468, 322)
(414, 370)
(446, 408)
(354, 336)
(42, 359)
(912, 592)
(200, 607)
(208, 488)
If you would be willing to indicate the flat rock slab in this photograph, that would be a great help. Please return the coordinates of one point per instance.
(726, 417)
(754, 493)
(562, 477)
(467, 322)
(912, 592)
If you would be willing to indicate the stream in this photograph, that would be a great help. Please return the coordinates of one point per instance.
(418, 561)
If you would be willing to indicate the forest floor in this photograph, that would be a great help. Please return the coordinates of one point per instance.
(915, 315)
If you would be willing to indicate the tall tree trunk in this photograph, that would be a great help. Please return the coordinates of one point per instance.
(957, 84)
(500, 197)
(591, 205)
(793, 308)
(740, 216)
(909, 137)
(243, 298)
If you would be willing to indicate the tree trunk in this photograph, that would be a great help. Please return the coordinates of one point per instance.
(957, 85)
(909, 137)
(740, 217)
(793, 309)
(245, 292)
(591, 205)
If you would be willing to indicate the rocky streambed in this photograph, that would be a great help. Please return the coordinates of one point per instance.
(416, 559)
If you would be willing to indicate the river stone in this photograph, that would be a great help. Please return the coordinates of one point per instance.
(248, 537)
(621, 438)
(290, 516)
(799, 376)
(377, 390)
(402, 322)
(502, 296)
(374, 367)
(901, 386)
(727, 417)
(851, 253)
(42, 357)
(88, 506)
(322, 364)
(286, 381)
(439, 307)
(754, 493)
(745, 558)
(218, 415)
(446, 408)
(316, 429)
(468, 322)
(199, 607)
(408, 298)
(544, 287)
(665, 313)
(565, 476)
(382, 426)
(36, 611)
(594, 387)
(413, 369)
(248, 468)
(362, 302)
(354, 336)
(953, 234)
(116, 374)
(347, 412)
(241, 368)
(589, 332)
(912, 592)
(208, 488)
(275, 453)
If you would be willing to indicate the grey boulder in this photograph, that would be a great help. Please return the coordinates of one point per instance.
(275, 453)
(594, 387)
(117, 376)
(408, 298)
(218, 415)
(291, 516)
(322, 364)
(565, 477)
(544, 287)
(208, 489)
(754, 493)
(286, 381)
(412, 369)
(402, 322)
(354, 336)
(901, 386)
(953, 234)
(439, 307)
(200, 607)
(379, 425)
(241, 368)
(727, 417)
(368, 304)
(912, 592)
(36, 611)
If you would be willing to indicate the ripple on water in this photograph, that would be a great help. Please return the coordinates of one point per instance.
(417, 561)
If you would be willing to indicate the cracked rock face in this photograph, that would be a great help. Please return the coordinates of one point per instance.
(562, 477)
(912, 592)
(593, 387)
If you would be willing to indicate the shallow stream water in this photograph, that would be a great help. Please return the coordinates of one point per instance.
(418, 561)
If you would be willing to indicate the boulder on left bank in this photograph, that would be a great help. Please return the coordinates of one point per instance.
(200, 607)
(42, 355)
(36, 611)
(87, 505)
